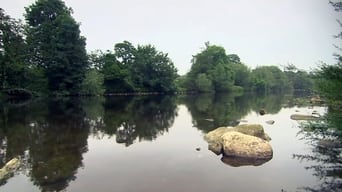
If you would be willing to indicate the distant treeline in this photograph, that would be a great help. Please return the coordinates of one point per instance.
(213, 70)
(47, 55)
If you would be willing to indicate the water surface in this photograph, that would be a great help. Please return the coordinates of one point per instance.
(152, 143)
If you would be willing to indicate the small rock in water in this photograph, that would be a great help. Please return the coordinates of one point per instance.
(316, 114)
(262, 112)
(303, 117)
(271, 122)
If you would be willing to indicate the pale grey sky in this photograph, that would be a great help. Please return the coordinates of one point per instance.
(261, 32)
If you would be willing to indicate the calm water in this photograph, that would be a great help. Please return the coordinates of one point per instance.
(130, 144)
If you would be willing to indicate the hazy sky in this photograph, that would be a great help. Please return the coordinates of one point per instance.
(261, 32)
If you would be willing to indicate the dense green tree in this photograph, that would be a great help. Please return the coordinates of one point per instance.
(213, 70)
(12, 52)
(241, 71)
(268, 79)
(203, 83)
(56, 46)
(329, 83)
(93, 83)
(299, 79)
(180, 83)
(135, 69)
(210, 71)
(115, 75)
(153, 71)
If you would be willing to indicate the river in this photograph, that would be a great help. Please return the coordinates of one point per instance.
(153, 143)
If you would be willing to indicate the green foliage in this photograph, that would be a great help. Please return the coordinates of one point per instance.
(135, 69)
(153, 70)
(12, 52)
(299, 79)
(116, 75)
(268, 79)
(203, 83)
(93, 83)
(56, 46)
(242, 75)
(213, 70)
(180, 83)
(329, 83)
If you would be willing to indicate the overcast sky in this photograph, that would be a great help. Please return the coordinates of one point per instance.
(261, 32)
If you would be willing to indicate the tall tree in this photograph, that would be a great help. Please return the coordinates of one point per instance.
(211, 71)
(241, 71)
(56, 46)
(153, 71)
(12, 52)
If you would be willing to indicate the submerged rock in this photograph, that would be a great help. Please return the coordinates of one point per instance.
(270, 122)
(303, 117)
(236, 144)
(262, 111)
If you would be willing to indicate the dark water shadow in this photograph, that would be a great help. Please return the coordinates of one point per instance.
(239, 162)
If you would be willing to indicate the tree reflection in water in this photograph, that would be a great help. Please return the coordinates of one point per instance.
(50, 138)
(326, 157)
(58, 145)
(143, 117)
(210, 111)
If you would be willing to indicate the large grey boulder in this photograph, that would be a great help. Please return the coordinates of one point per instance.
(214, 139)
(245, 146)
(248, 129)
(243, 141)
(252, 129)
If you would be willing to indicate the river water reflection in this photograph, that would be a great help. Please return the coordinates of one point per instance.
(150, 143)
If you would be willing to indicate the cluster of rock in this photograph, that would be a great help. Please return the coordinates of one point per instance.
(246, 144)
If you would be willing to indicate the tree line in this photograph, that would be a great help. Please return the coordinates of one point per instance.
(47, 55)
(213, 70)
